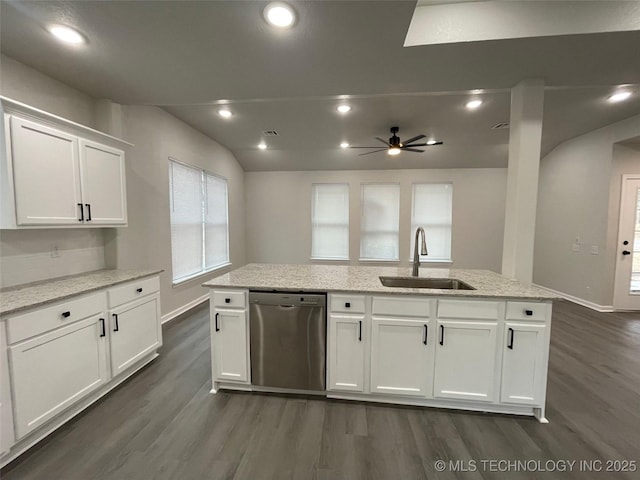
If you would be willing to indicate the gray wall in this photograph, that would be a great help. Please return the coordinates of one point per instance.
(575, 196)
(278, 228)
(146, 242)
(25, 255)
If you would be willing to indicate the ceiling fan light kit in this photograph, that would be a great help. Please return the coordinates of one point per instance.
(394, 146)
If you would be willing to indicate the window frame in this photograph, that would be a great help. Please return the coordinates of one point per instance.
(347, 225)
(203, 224)
(425, 258)
(397, 231)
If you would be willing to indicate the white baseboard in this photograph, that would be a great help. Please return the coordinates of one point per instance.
(180, 310)
(579, 301)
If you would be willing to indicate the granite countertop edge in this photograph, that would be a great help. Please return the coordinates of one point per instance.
(20, 298)
(364, 280)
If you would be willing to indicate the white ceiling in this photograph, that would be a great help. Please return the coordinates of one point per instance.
(189, 57)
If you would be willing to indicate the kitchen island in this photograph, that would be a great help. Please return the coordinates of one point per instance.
(483, 349)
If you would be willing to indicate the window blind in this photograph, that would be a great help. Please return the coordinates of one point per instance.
(330, 221)
(199, 221)
(380, 220)
(431, 210)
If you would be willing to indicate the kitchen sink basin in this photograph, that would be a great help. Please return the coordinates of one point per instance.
(422, 282)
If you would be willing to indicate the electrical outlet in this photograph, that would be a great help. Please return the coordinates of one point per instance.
(55, 251)
(577, 240)
(595, 250)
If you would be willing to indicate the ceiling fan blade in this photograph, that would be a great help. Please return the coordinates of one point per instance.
(415, 145)
(375, 151)
(383, 141)
(412, 150)
(417, 137)
(365, 147)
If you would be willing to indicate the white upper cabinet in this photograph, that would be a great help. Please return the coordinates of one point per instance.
(103, 184)
(45, 173)
(56, 173)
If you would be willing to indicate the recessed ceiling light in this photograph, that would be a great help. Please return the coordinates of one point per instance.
(473, 104)
(344, 145)
(393, 151)
(225, 113)
(620, 96)
(262, 146)
(279, 14)
(66, 34)
(431, 142)
(344, 108)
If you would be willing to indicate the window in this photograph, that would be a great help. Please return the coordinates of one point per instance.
(199, 221)
(431, 210)
(380, 219)
(330, 221)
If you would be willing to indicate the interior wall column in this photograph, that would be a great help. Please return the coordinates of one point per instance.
(525, 136)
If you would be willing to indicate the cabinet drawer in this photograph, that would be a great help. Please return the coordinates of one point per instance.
(133, 290)
(471, 309)
(230, 298)
(58, 315)
(402, 306)
(347, 303)
(529, 311)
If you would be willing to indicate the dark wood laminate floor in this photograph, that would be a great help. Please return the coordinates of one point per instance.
(164, 424)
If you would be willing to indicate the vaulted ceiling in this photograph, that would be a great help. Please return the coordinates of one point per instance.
(191, 57)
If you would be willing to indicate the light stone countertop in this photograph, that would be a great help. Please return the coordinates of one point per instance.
(30, 295)
(362, 279)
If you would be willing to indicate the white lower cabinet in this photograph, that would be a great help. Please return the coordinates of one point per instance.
(7, 433)
(52, 371)
(465, 363)
(135, 332)
(401, 360)
(229, 337)
(523, 363)
(346, 352)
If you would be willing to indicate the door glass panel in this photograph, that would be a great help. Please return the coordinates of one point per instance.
(635, 269)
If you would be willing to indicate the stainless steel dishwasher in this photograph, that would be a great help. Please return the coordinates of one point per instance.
(288, 340)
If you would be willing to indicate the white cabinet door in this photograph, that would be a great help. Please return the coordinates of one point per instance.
(346, 352)
(401, 356)
(46, 175)
(7, 438)
(135, 332)
(230, 343)
(52, 371)
(103, 184)
(465, 360)
(523, 363)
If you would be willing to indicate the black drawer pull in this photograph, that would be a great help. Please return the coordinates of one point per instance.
(227, 300)
(66, 314)
(528, 313)
(360, 331)
(116, 327)
(216, 322)
(88, 205)
(139, 290)
(81, 219)
(426, 333)
(510, 342)
(104, 331)
(347, 305)
(441, 334)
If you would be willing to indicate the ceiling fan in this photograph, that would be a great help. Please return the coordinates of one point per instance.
(394, 146)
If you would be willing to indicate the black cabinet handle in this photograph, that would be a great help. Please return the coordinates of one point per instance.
(510, 342)
(216, 322)
(441, 334)
(626, 252)
(360, 331)
(528, 313)
(116, 328)
(104, 330)
(347, 305)
(66, 314)
(227, 300)
(426, 333)
(88, 205)
(139, 290)
(81, 219)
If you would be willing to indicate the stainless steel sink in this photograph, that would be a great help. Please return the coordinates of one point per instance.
(422, 282)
